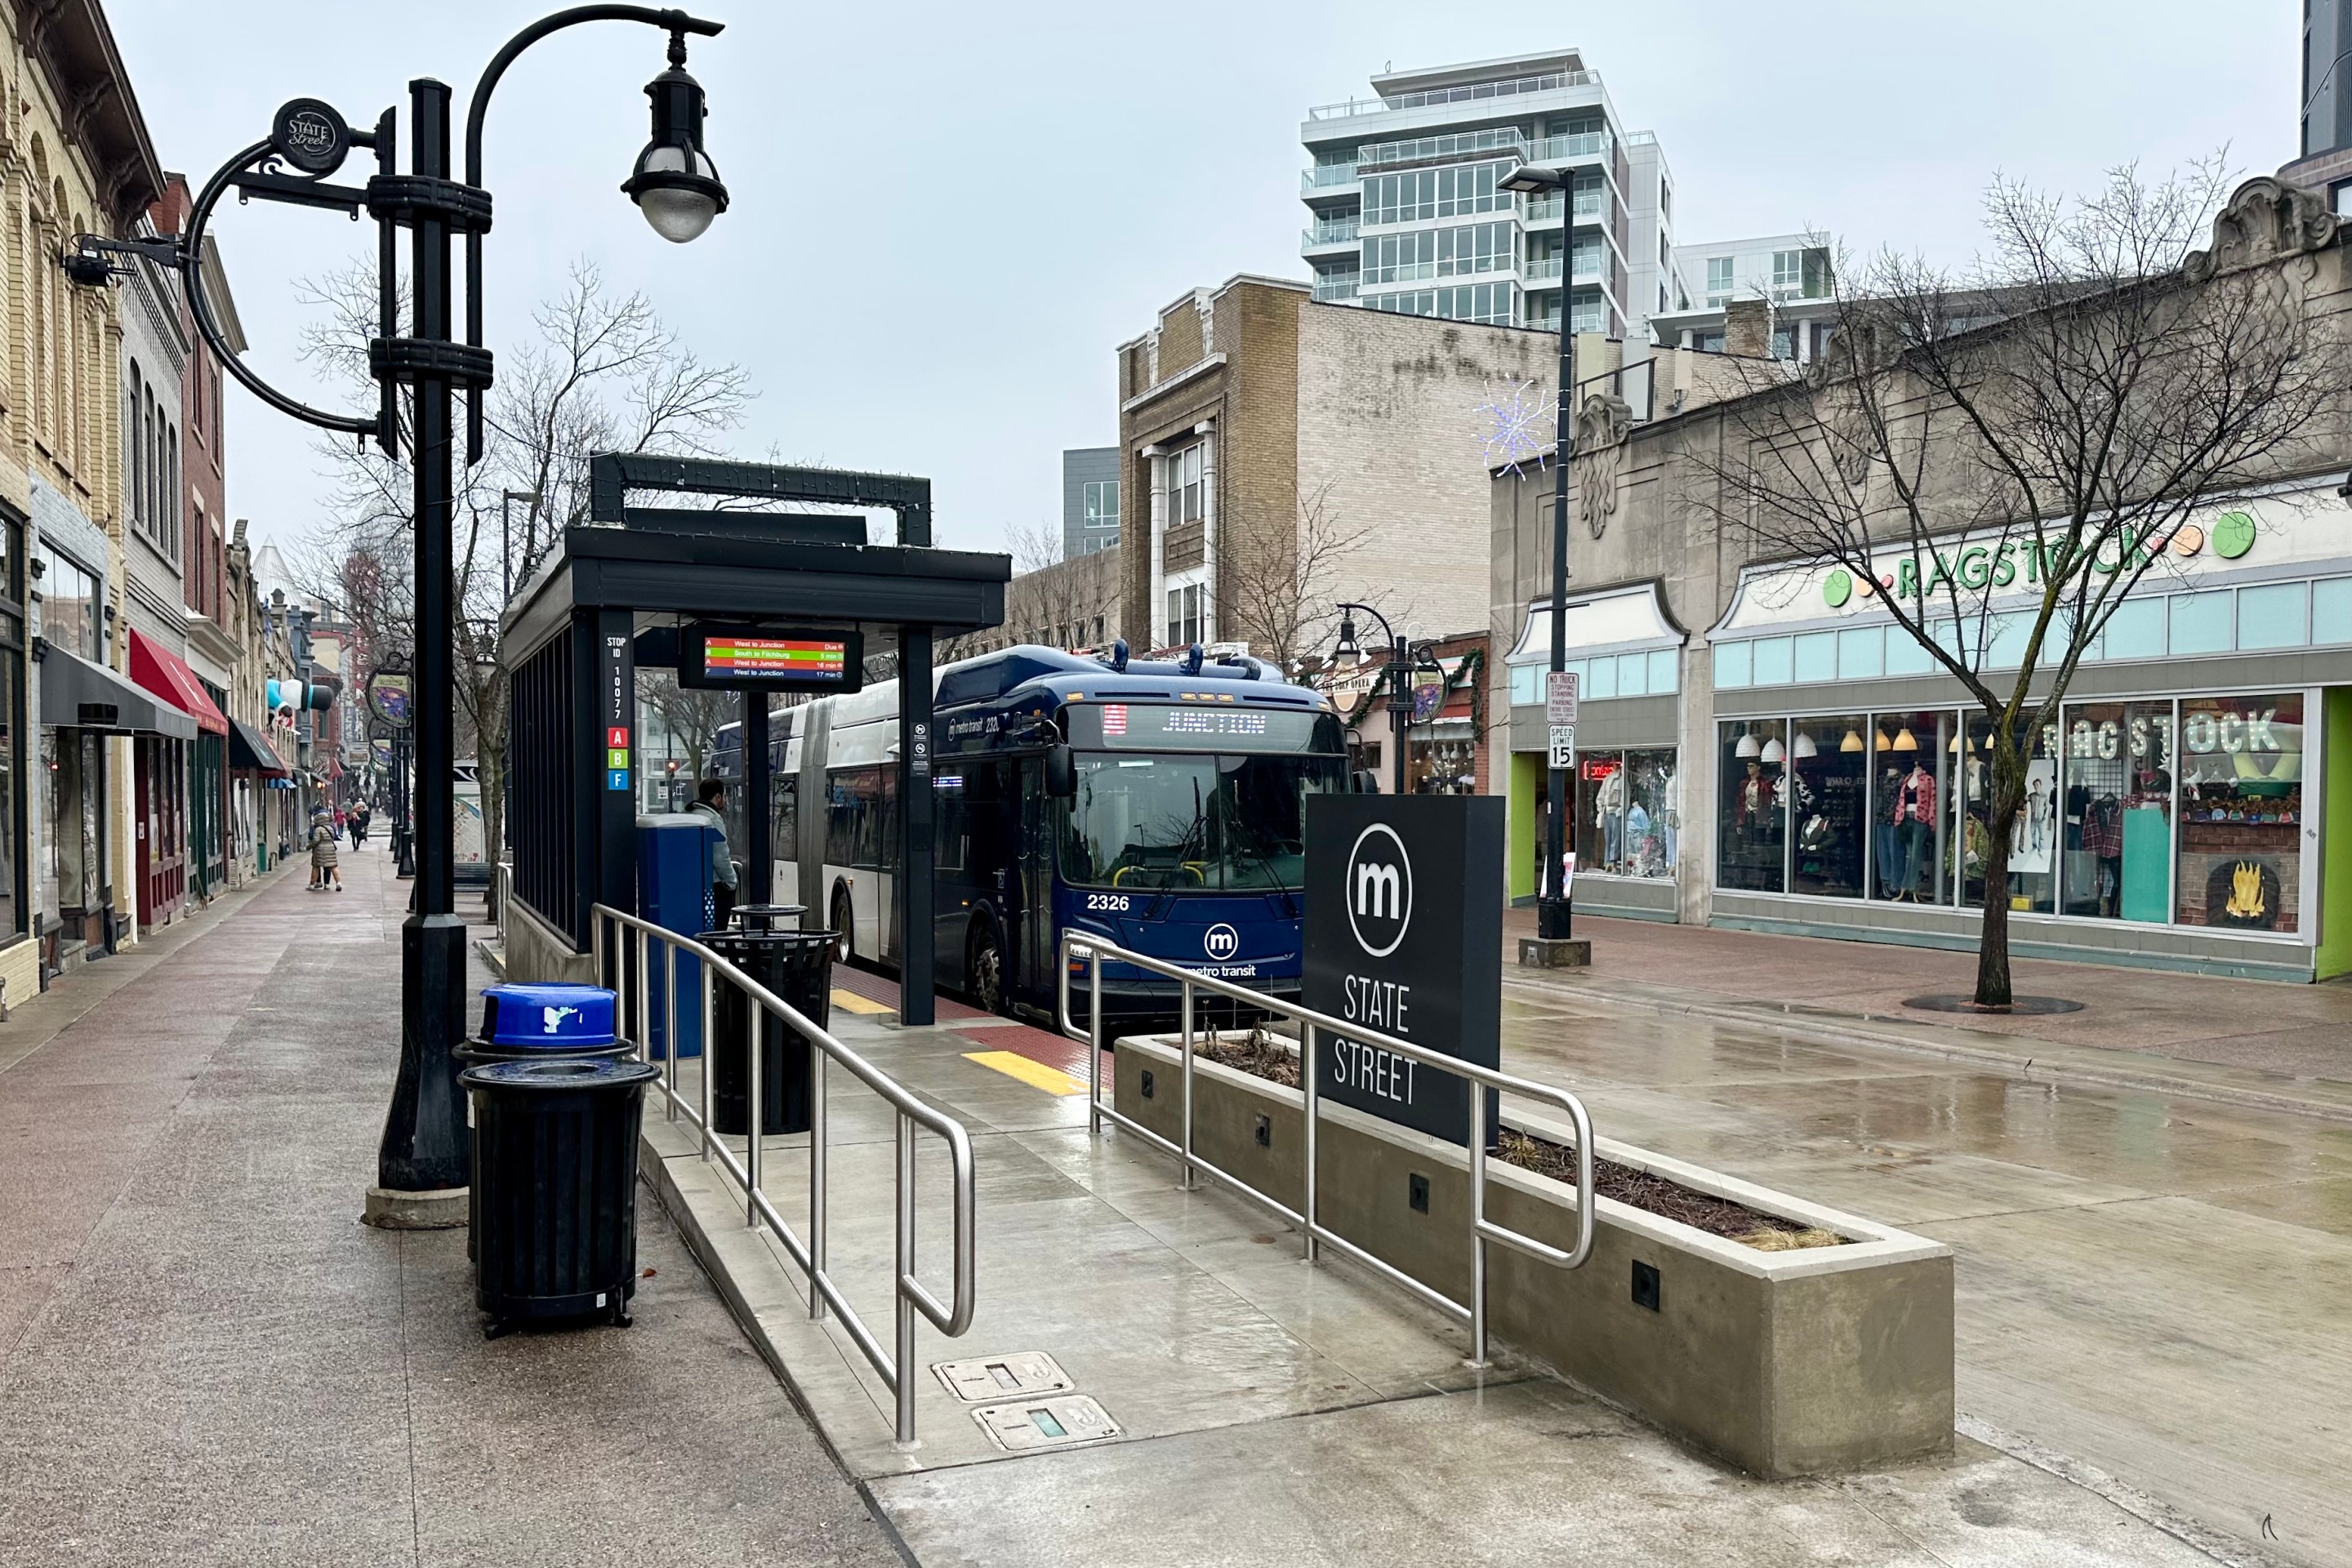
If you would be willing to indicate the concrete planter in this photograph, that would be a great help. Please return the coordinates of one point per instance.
(1785, 1364)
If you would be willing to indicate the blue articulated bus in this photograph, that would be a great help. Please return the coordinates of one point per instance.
(1160, 803)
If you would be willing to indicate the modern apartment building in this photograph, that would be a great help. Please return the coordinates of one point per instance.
(1089, 500)
(1404, 213)
(1788, 274)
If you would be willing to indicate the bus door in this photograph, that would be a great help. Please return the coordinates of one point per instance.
(1033, 867)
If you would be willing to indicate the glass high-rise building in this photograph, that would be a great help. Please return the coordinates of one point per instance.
(1404, 213)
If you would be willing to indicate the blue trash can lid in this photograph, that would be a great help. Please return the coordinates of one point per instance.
(555, 1018)
(573, 1072)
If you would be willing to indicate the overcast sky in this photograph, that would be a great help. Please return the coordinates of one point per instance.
(946, 216)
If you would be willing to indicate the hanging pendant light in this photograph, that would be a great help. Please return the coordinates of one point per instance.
(1804, 747)
(1773, 751)
(1748, 749)
(1852, 741)
(1906, 741)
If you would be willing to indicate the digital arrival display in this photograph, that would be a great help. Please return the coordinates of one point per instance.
(743, 659)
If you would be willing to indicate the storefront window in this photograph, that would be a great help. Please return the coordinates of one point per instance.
(12, 699)
(2033, 836)
(1910, 753)
(2116, 813)
(1829, 786)
(1752, 820)
(2240, 813)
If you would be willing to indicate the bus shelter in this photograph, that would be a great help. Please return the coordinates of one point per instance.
(643, 586)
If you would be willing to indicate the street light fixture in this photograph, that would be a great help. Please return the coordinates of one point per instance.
(1400, 692)
(675, 183)
(425, 1159)
(1553, 911)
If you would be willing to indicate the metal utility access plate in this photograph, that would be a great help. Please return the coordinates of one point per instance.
(1065, 1421)
(1023, 1375)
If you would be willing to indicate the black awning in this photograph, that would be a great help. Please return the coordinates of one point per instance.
(249, 747)
(79, 695)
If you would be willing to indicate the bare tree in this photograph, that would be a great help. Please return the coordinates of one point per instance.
(1999, 460)
(692, 716)
(1283, 602)
(600, 372)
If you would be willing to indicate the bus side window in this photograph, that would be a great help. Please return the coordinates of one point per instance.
(953, 839)
(842, 819)
(785, 819)
(883, 849)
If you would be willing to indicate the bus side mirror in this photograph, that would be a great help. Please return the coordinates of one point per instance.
(1061, 773)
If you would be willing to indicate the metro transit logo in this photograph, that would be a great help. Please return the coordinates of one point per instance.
(1379, 890)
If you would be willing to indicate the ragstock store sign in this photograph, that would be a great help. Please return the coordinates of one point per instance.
(1405, 936)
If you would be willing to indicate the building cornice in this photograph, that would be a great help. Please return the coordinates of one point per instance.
(1189, 375)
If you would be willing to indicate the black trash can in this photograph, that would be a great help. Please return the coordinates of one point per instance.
(555, 1187)
(529, 1023)
(797, 965)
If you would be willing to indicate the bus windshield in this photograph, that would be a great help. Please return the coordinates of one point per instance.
(1193, 821)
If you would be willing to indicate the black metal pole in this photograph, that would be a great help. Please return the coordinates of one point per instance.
(1553, 909)
(758, 797)
(916, 933)
(1400, 703)
(425, 1145)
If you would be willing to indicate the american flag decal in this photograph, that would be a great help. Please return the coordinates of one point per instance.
(1115, 718)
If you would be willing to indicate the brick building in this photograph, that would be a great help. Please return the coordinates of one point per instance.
(1280, 455)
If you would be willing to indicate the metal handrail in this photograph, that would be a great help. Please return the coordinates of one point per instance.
(910, 1295)
(1310, 1021)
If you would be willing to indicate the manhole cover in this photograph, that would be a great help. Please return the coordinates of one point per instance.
(2019, 1007)
(1060, 1423)
(1021, 1375)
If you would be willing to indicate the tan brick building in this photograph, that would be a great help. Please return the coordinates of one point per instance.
(1279, 455)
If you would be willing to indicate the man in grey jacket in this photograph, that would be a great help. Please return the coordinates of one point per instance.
(711, 803)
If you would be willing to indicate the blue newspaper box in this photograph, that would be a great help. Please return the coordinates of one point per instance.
(674, 893)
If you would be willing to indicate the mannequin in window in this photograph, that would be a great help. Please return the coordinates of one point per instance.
(1608, 801)
(1914, 826)
(1758, 799)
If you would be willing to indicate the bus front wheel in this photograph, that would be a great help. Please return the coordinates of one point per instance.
(844, 950)
(983, 969)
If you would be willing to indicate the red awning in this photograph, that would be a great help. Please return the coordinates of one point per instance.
(167, 675)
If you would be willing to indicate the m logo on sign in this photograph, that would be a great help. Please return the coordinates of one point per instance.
(1379, 890)
(1220, 941)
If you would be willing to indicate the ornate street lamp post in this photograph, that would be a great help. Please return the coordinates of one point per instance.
(1352, 652)
(423, 1164)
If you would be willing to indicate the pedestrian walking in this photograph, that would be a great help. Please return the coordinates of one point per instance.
(324, 871)
(359, 815)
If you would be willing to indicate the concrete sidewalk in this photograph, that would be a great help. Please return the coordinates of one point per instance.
(205, 1358)
(2248, 1042)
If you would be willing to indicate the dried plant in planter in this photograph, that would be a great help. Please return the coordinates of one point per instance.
(1669, 1200)
(1257, 1053)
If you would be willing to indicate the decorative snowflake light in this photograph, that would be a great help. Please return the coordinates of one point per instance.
(1520, 423)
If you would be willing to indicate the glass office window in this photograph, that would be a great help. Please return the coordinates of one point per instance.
(2116, 813)
(1908, 820)
(1861, 653)
(1666, 672)
(2242, 813)
(1735, 664)
(1905, 656)
(2202, 623)
(2135, 630)
(1816, 657)
(1632, 674)
(1527, 683)
(2331, 611)
(1600, 681)
(1752, 806)
(2271, 615)
(1775, 661)
(1829, 805)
